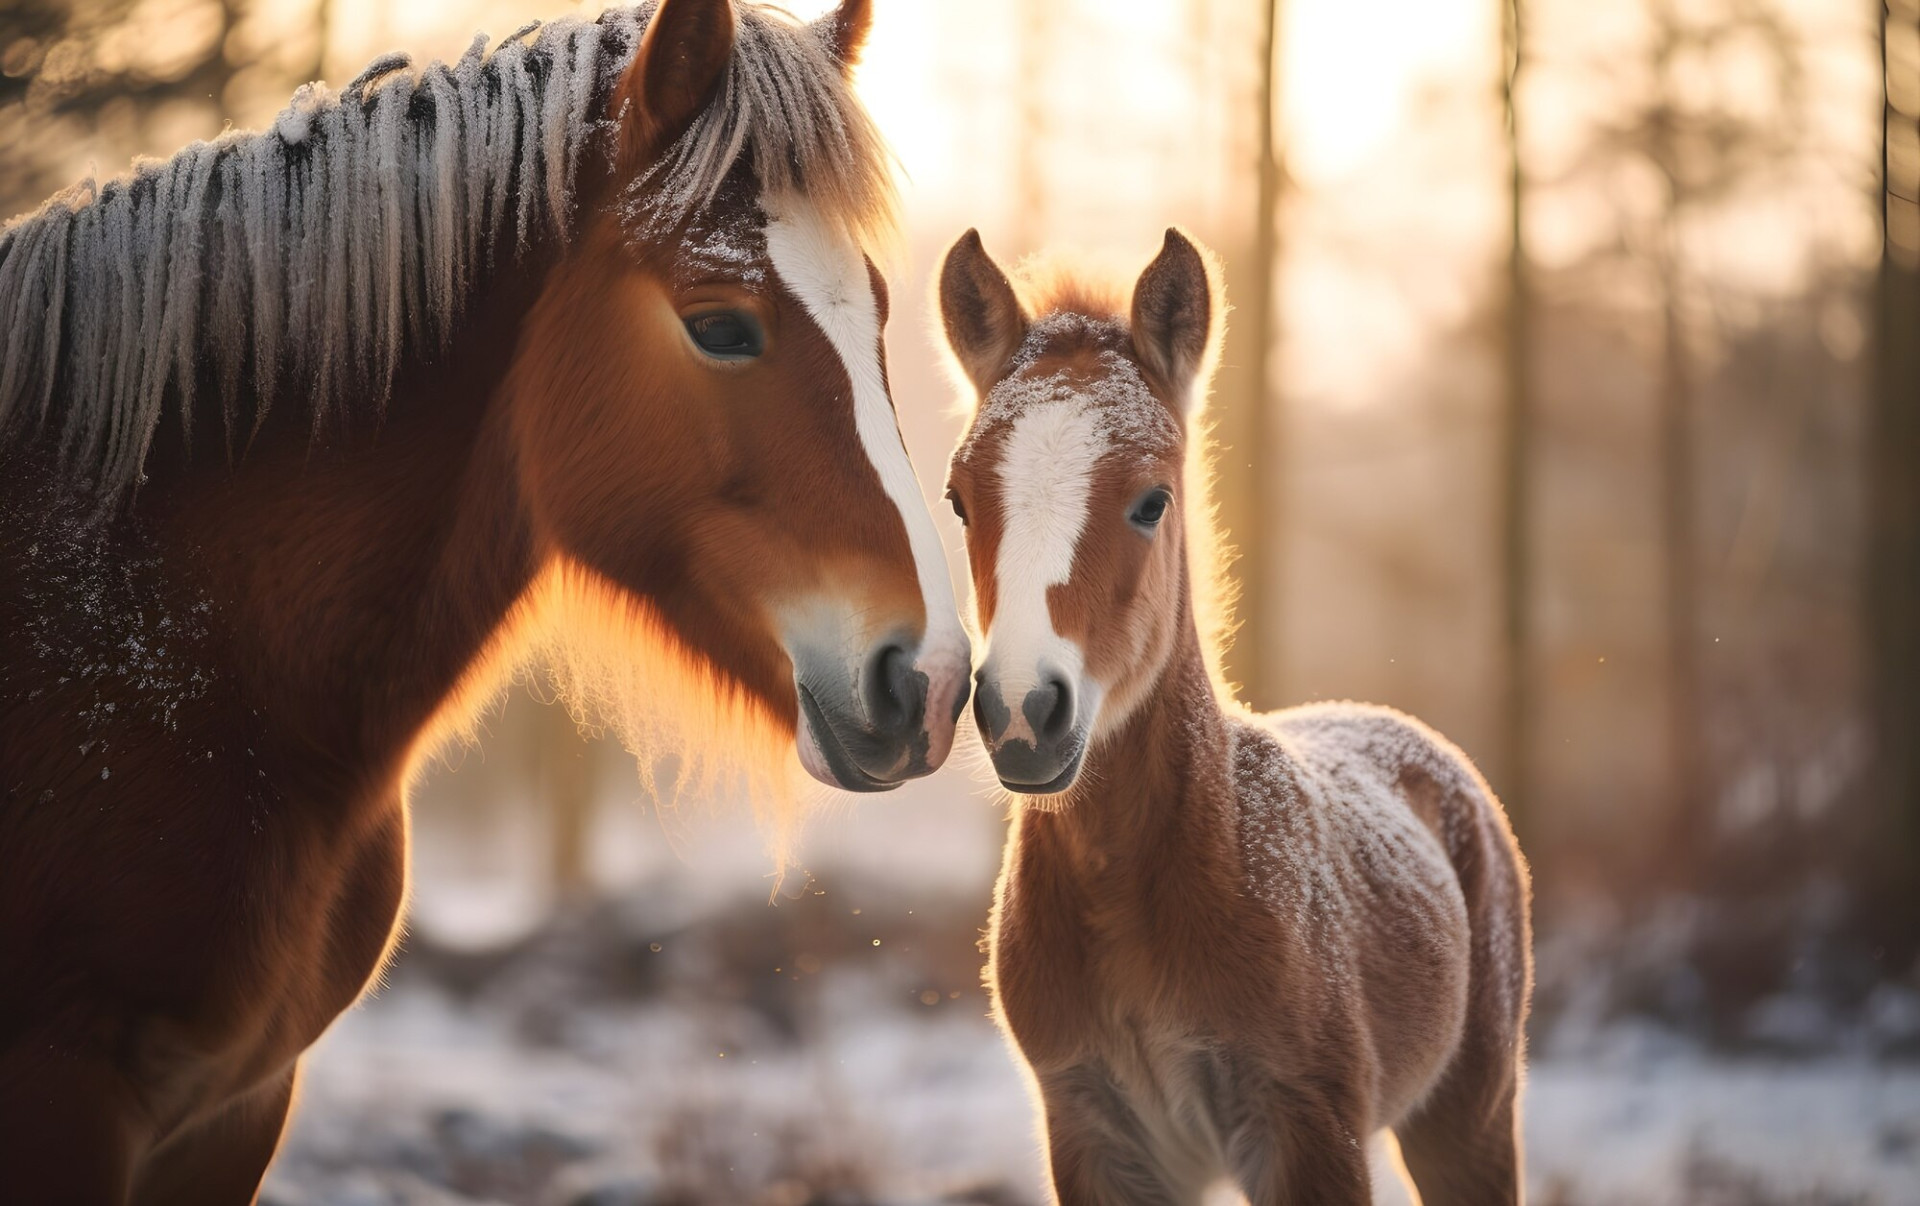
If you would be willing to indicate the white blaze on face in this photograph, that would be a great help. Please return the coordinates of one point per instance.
(1046, 472)
(825, 269)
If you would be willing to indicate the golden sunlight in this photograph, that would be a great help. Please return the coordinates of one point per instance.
(1573, 412)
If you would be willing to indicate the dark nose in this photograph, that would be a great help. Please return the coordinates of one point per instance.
(1049, 710)
(989, 710)
(895, 694)
(1048, 762)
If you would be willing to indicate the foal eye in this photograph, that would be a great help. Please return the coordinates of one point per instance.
(959, 510)
(1150, 510)
(726, 335)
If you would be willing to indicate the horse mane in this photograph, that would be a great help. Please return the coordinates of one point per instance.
(350, 235)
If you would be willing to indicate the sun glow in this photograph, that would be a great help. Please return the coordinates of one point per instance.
(1352, 75)
(696, 736)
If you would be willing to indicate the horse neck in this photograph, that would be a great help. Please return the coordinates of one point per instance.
(368, 578)
(1160, 782)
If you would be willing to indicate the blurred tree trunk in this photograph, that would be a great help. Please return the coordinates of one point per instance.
(1516, 438)
(564, 772)
(1678, 540)
(322, 38)
(1683, 848)
(1029, 175)
(1893, 494)
(1251, 466)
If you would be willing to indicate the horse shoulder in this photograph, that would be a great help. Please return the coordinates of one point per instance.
(173, 895)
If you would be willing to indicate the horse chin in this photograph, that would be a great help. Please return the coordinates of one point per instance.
(823, 755)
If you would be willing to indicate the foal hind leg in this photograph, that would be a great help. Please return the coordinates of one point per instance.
(221, 1160)
(1463, 1146)
(1306, 1149)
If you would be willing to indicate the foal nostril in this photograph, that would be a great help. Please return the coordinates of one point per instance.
(990, 711)
(896, 694)
(1049, 709)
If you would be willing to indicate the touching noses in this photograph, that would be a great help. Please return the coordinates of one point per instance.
(904, 703)
(901, 693)
(1036, 740)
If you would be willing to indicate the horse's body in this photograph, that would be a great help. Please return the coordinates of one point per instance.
(665, 410)
(1228, 946)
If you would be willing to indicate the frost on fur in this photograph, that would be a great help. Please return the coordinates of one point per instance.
(320, 251)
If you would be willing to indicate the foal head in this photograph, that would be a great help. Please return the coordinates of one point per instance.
(1070, 483)
(701, 408)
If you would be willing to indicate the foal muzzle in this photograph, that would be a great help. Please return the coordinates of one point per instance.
(1038, 739)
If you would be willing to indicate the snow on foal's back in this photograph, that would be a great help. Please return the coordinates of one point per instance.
(1322, 821)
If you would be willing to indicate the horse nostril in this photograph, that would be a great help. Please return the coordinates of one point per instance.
(1049, 709)
(896, 694)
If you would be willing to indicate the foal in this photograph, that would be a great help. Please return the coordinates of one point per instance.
(1228, 945)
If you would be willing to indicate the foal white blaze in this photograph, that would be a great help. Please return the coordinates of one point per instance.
(822, 265)
(1044, 478)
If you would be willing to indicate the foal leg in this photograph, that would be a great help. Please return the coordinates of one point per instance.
(1463, 1146)
(220, 1160)
(1097, 1151)
(1388, 1171)
(1304, 1151)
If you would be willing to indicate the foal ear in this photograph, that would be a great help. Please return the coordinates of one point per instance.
(1174, 318)
(683, 56)
(844, 30)
(983, 318)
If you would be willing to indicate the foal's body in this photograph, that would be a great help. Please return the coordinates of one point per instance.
(1251, 942)
(1228, 946)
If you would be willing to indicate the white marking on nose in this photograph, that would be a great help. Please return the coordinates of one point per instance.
(1044, 476)
(825, 269)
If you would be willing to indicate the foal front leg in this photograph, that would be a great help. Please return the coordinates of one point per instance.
(1097, 1153)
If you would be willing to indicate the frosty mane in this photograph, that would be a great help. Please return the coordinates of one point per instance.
(308, 260)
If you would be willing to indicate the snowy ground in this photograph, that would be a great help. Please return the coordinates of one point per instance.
(683, 1040)
(857, 1091)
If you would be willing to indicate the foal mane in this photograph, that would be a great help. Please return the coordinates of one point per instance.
(308, 261)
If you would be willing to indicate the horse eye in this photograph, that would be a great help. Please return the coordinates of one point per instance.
(1151, 509)
(726, 335)
(953, 497)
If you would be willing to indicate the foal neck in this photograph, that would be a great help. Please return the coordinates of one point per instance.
(1164, 770)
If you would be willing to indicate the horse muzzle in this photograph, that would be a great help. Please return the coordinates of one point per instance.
(886, 719)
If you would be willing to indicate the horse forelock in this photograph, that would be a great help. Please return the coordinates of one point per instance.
(783, 123)
(304, 264)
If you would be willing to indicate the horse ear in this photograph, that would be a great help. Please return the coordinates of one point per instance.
(983, 318)
(1174, 318)
(844, 30)
(683, 56)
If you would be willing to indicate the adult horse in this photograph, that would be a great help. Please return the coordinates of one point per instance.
(305, 434)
